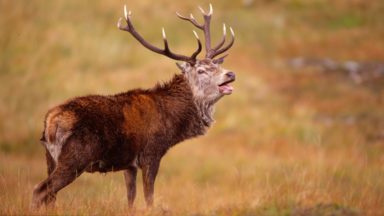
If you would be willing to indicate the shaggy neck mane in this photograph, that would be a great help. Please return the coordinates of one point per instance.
(179, 88)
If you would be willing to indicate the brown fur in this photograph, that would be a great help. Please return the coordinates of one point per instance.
(57, 118)
(121, 132)
(134, 129)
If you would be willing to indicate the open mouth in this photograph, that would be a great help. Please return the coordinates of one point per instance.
(225, 88)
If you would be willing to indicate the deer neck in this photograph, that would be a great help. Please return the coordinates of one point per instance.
(205, 111)
(200, 112)
(203, 107)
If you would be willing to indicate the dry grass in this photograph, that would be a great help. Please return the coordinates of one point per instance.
(285, 143)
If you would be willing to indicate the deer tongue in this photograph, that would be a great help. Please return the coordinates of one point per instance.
(225, 89)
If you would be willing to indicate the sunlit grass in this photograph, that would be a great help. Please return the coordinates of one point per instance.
(285, 143)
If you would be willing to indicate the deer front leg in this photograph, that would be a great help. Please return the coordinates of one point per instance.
(130, 182)
(149, 176)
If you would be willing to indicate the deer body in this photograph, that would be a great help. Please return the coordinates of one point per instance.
(127, 127)
(132, 130)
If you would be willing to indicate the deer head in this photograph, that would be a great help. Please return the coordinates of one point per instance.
(208, 80)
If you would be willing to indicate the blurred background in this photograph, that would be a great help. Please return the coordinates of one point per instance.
(302, 134)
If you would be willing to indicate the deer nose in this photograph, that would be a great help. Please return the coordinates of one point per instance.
(231, 75)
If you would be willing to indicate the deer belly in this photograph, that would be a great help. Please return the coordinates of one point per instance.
(110, 165)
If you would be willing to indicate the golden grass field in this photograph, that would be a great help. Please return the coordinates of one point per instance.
(286, 142)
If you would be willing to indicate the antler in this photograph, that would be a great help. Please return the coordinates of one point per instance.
(218, 49)
(166, 51)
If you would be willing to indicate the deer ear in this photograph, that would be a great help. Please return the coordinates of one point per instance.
(184, 67)
(219, 60)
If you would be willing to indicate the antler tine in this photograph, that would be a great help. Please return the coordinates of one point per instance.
(166, 48)
(166, 51)
(206, 28)
(221, 43)
(210, 10)
(210, 52)
(222, 50)
(194, 55)
(191, 19)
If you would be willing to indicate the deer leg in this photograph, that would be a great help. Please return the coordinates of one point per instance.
(40, 195)
(149, 176)
(130, 182)
(50, 162)
(70, 165)
(45, 192)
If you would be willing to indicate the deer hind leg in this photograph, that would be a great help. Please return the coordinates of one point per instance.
(51, 165)
(69, 166)
(50, 162)
(45, 192)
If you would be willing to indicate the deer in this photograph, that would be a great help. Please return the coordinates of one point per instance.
(134, 129)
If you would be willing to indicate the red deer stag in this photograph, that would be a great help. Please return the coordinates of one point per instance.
(134, 129)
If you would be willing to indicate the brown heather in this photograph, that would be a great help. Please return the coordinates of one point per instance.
(286, 142)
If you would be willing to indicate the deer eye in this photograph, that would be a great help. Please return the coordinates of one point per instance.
(201, 71)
